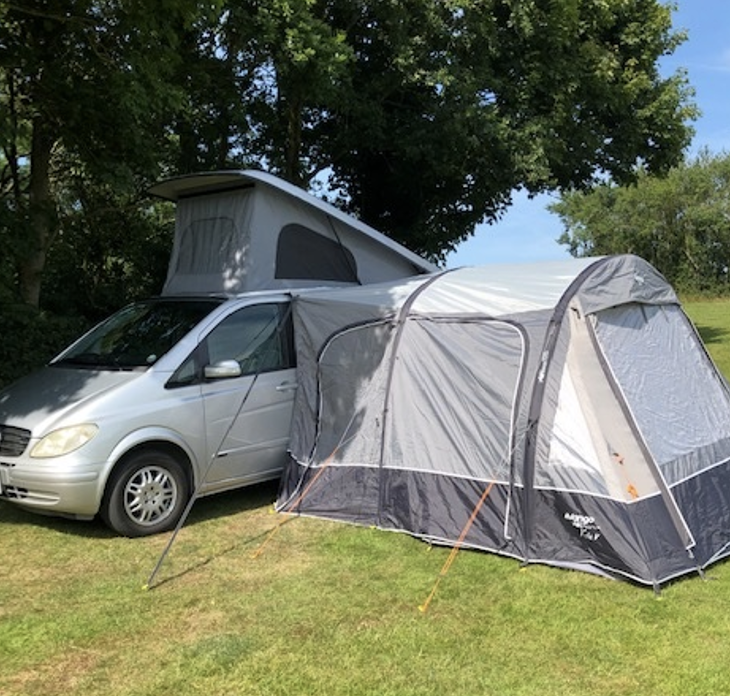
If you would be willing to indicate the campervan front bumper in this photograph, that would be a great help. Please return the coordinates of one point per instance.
(68, 490)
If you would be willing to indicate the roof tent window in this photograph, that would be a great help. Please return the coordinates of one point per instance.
(303, 254)
(205, 245)
(213, 233)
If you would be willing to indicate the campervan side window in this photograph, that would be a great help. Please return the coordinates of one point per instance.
(258, 337)
(303, 254)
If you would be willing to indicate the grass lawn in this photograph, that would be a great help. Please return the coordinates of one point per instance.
(331, 609)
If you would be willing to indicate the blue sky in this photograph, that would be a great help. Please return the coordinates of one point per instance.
(527, 232)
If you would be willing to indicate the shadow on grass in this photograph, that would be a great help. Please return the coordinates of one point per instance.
(208, 508)
(11, 514)
(257, 541)
(712, 334)
(233, 502)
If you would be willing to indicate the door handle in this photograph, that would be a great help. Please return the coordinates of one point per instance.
(287, 386)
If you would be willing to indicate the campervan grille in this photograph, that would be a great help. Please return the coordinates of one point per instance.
(13, 441)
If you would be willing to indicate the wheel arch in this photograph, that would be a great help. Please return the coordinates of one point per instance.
(171, 448)
(150, 511)
(151, 442)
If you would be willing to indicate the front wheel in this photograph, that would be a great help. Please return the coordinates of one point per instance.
(146, 494)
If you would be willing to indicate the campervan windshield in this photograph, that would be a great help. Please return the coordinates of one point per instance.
(138, 335)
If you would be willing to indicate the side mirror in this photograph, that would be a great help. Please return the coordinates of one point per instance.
(225, 369)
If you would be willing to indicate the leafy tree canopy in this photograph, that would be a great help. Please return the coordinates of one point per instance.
(477, 99)
(680, 222)
(86, 89)
(420, 116)
(425, 115)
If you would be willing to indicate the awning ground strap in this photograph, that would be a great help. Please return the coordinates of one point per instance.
(469, 523)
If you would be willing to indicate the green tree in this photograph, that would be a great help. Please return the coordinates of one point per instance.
(425, 115)
(679, 222)
(112, 246)
(421, 116)
(490, 96)
(261, 81)
(85, 86)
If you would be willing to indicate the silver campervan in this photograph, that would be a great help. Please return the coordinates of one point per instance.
(167, 396)
(191, 391)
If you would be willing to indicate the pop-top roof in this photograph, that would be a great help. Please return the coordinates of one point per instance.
(207, 183)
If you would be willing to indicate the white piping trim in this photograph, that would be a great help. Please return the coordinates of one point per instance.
(695, 474)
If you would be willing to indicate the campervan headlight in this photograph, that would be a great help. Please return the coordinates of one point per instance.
(64, 440)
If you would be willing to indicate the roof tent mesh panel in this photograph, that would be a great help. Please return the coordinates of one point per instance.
(204, 244)
(212, 243)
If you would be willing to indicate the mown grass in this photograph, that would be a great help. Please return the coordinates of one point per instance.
(712, 319)
(330, 609)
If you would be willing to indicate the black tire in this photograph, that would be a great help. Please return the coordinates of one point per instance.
(146, 494)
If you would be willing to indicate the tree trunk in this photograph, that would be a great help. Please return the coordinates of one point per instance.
(41, 215)
(293, 145)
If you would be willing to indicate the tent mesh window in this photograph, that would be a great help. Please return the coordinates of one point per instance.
(676, 397)
(353, 358)
(204, 243)
(303, 254)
